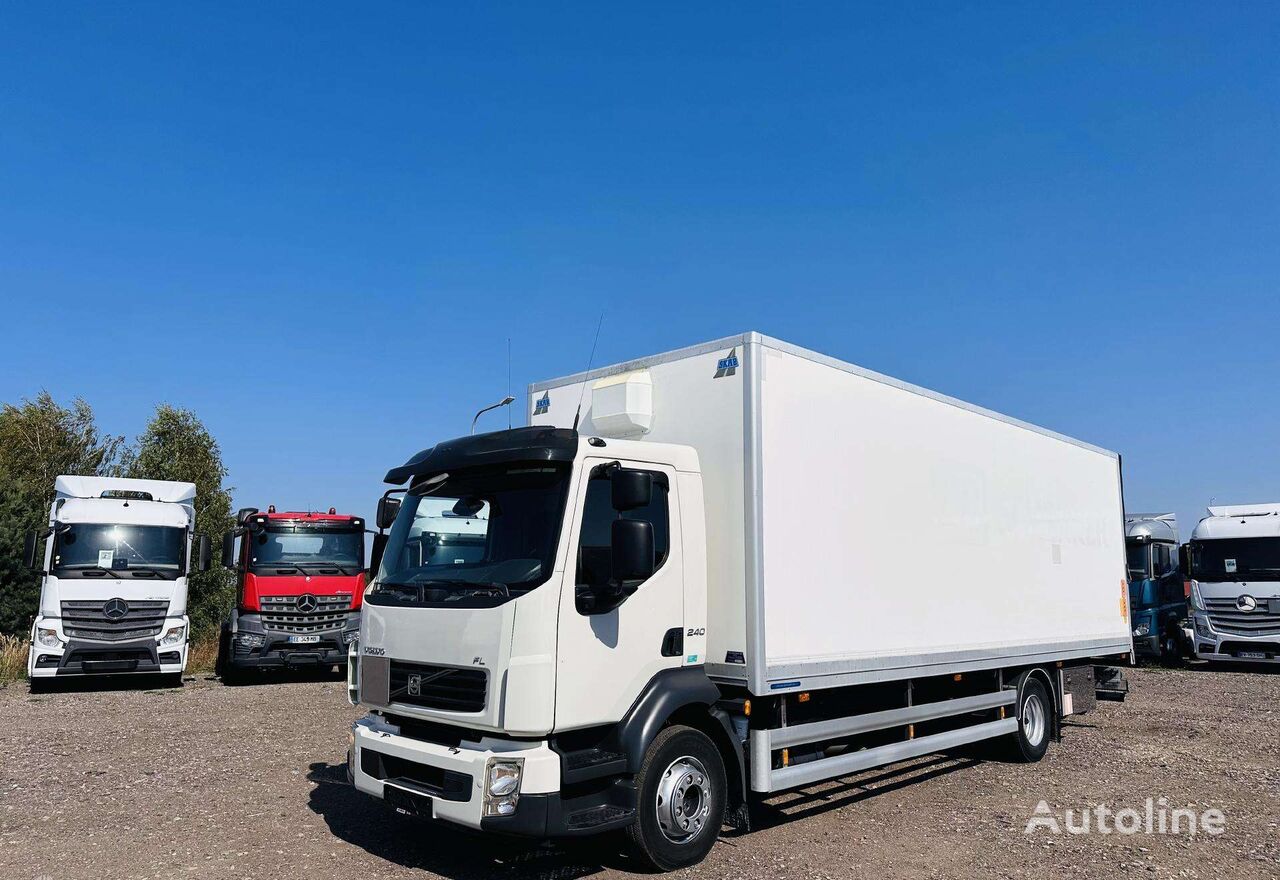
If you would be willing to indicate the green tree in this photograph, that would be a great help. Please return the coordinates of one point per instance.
(177, 446)
(39, 439)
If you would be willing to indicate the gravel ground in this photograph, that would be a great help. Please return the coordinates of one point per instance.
(213, 781)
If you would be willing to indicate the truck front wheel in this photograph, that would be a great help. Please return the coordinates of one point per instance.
(681, 791)
(1171, 646)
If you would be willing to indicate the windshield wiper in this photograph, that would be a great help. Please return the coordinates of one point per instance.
(147, 570)
(409, 593)
(340, 567)
(471, 588)
(315, 568)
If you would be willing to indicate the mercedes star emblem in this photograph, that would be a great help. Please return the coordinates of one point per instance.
(115, 609)
(307, 603)
(1247, 603)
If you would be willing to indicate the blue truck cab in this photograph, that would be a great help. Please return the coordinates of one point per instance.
(1157, 597)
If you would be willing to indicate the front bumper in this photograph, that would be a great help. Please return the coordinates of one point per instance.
(277, 651)
(1232, 648)
(445, 781)
(83, 657)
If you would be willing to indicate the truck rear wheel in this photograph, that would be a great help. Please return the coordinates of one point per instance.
(1035, 722)
(681, 791)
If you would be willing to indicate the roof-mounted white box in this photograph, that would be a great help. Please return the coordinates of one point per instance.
(622, 405)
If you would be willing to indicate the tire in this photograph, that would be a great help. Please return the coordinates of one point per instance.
(224, 650)
(1035, 722)
(681, 795)
(222, 665)
(39, 685)
(172, 679)
(1171, 647)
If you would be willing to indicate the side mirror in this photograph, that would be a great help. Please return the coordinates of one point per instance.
(631, 489)
(243, 513)
(203, 552)
(229, 550)
(388, 508)
(30, 546)
(1184, 560)
(376, 550)
(632, 557)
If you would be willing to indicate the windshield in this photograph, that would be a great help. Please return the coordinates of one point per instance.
(287, 549)
(1137, 554)
(93, 549)
(1236, 559)
(475, 538)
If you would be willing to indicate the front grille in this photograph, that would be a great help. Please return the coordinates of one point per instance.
(90, 620)
(438, 687)
(1227, 618)
(286, 614)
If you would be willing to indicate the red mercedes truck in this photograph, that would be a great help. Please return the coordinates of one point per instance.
(299, 581)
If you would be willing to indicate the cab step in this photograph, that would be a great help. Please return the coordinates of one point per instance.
(603, 816)
(594, 763)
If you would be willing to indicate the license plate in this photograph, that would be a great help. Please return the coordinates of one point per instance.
(407, 802)
(303, 640)
(1251, 655)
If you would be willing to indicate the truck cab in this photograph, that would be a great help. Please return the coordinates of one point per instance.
(1233, 560)
(521, 569)
(113, 596)
(299, 582)
(1157, 598)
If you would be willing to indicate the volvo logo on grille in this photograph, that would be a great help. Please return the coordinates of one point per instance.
(115, 609)
(1247, 603)
(415, 680)
(307, 603)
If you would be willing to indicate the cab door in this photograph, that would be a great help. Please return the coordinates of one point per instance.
(616, 633)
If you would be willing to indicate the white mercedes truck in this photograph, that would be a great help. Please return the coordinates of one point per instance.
(113, 594)
(718, 573)
(1233, 560)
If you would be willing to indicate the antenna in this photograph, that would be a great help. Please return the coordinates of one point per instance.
(508, 380)
(590, 361)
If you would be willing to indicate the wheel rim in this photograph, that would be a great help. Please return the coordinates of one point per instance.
(684, 799)
(1034, 719)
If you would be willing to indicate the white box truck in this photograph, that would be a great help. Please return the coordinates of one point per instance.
(113, 593)
(720, 572)
(1234, 565)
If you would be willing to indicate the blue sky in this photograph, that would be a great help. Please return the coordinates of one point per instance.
(317, 225)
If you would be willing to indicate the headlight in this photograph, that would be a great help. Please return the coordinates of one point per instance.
(251, 640)
(48, 638)
(1203, 628)
(502, 786)
(504, 778)
(174, 635)
(1197, 601)
(350, 636)
(1142, 629)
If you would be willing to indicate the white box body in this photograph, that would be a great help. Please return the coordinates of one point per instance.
(862, 529)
